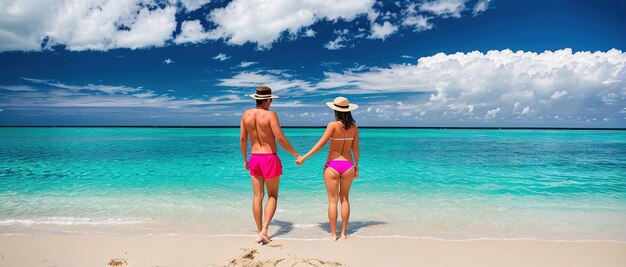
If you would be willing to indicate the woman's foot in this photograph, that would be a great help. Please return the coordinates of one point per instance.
(344, 236)
(258, 240)
(264, 237)
(333, 237)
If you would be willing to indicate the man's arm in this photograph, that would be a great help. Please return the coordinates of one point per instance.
(243, 143)
(280, 136)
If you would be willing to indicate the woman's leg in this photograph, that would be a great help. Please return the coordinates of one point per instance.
(331, 179)
(270, 205)
(345, 182)
(257, 203)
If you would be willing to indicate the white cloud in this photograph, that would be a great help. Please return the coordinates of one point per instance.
(84, 25)
(480, 7)
(611, 98)
(491, 114)
(168, 61)
(372, 15)
(227, 99)
(150, 28)
(275, 80)
(558, 94)
(418, 23)
(58, 94)
(191, 32)
(246, 64)
(263, 22)
(407, 56)
(191, 5)
(23, 27)
(335, 44)
(444, 8)
(498, 79)
(382, 31)
(309, 33)
(221, 57)
(18, 88)
(105, 24)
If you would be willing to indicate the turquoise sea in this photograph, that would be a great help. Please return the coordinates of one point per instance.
(448, 184)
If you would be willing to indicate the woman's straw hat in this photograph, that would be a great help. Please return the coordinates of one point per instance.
(341, 104)
(263, 92)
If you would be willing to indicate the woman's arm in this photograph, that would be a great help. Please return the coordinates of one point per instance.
(355, 151)
(243, 143)
(322, 142)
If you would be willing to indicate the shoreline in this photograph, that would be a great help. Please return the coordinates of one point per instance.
(187, 250)
(250, 236)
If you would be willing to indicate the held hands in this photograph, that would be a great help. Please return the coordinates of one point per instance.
(246, 165)
(300, 160)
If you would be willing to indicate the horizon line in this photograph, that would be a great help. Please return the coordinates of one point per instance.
(365, 127)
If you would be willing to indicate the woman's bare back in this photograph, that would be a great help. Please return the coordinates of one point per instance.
(341, 142)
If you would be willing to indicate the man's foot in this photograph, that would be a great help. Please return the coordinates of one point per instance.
(333, 237)
(258, 240)
(343, 236)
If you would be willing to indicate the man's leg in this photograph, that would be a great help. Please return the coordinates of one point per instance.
(257, 203)
(270, 205)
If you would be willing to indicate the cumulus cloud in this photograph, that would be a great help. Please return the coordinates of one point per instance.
(418, 23)
(84, 25)
(335, 44)
(101, 25)
(492, 113)
(558, 94)
(502, 82)
(309, 33)
(239, 22)
(149, 28)
(444, 8)
(382, 31)
(191, 32)
(191, 5)
(480, 7)
(221, 57)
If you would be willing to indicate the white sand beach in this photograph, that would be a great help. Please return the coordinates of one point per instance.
(185, 250)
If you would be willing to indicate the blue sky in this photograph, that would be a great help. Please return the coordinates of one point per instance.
(406, 63)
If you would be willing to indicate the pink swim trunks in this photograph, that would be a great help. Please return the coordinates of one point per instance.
(265, 165)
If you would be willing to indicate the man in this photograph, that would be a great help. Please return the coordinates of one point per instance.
(262, 127)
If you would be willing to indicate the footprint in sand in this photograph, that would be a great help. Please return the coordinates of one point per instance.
(119, 262)
(276, 245)
(249, 256)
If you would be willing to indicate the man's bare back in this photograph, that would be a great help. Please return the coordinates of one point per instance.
(258, 124)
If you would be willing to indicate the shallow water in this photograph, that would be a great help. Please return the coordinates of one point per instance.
(450, 184)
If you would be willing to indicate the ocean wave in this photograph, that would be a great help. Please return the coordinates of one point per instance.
(68, 221)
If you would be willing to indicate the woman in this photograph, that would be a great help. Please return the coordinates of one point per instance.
(341, 167)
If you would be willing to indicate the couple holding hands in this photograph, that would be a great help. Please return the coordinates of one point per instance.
(261, 126)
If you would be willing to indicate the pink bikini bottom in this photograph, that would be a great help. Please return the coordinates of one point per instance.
(340, 166)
